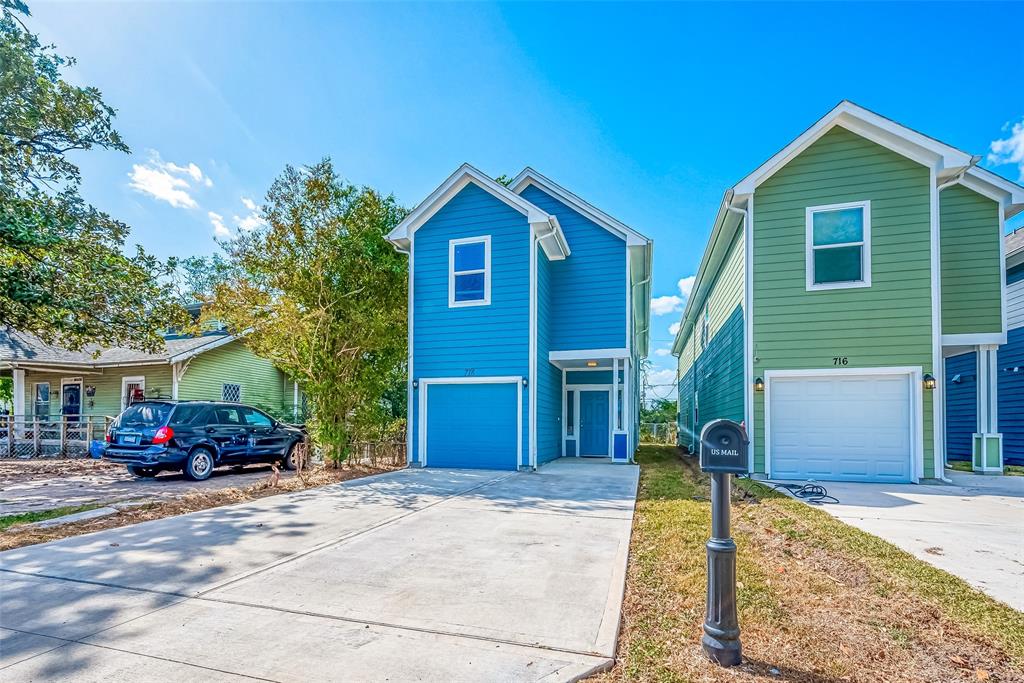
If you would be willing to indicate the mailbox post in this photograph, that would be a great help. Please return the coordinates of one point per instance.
(723, 452)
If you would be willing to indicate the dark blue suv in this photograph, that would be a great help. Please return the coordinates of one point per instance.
(194, 437)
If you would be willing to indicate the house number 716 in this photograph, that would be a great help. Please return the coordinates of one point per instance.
(840, 360)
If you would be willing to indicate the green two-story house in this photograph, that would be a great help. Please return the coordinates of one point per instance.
(837, 277)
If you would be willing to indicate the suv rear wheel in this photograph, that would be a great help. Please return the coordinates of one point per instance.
(199, 465)
(143, 472)
(288, 461)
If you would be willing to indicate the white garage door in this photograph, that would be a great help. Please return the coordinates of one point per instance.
(841, 428)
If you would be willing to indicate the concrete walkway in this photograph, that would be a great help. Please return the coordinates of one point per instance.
(433, 575)
(973, 528)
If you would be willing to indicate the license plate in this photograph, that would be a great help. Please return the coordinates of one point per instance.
(129, 438)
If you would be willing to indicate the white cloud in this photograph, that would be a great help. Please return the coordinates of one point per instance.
(663, 305)
(661, 377)
(253, 219)
(686, 286)
(248, 203)
(219, 229)
(1009, 150)
(673, 329)
(167, 181)
(663, 352)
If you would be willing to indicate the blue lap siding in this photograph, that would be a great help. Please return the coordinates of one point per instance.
(714, 382)
(491, 340)
(549, 378)
(961, 401)
(588, 289)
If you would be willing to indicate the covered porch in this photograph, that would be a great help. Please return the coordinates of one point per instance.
(598, 402)
(971, 380)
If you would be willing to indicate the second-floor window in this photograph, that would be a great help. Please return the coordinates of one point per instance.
(839, 246)
(469, 271)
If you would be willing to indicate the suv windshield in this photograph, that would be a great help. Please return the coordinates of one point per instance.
(145, 415)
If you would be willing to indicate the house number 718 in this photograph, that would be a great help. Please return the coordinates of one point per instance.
(840, 360)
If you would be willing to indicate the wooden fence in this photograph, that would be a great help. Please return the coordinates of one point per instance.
(62, 436)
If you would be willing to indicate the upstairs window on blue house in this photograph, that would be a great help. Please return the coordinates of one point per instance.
(839, 246)
(469, 271)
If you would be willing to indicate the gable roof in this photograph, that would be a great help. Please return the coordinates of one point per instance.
(544, 225)
(529, 176)
(948, 161)
(640, 266)
(24, 349)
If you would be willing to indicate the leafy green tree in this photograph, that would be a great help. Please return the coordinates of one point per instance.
(197, 277)
(63, 275)
(322, 294)
(660, 410)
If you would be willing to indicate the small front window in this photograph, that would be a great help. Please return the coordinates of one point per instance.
(42, 400)
(469, 272)
(570, 415)
(839, 246)
(231, 392)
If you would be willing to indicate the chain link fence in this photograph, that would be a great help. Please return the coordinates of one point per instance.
(662, 433)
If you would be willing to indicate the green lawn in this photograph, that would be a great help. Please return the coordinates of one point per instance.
(8, 521)
(965, 466)
(818, 600)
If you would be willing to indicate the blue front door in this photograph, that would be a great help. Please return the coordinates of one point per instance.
(594, 423)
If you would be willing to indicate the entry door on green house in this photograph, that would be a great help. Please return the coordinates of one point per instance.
(594, 423)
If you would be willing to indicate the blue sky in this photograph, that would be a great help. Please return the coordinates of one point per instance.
(648, 111)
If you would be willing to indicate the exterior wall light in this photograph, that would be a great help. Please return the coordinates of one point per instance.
(525, 381)
(758, 384)
(928, 381)
(415, 384)
(591, 363)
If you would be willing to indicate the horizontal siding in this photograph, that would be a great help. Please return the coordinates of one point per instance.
(107, 400)
(549, 377)
(887, 324)
(588, 289)
(487, 340)
(1015, 304)
(1010, 361)
(961, 405)
(723, 300)
(971, 262)
(263, 385)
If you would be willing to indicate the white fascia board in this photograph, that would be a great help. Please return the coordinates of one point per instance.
(588, 354)
(185, 355)
(529, 176)
(1009, 194)
(995, 338)
(867, 124)
(552, 239)
(464, 175)
(726, 222)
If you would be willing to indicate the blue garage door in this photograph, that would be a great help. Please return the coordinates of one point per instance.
(472, 425)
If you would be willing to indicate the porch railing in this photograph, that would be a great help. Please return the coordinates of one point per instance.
(55, 436)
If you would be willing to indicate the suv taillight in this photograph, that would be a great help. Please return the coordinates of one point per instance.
(163, 435)
(110, 437)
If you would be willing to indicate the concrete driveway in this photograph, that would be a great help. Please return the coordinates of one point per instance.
(433, 575)
(973, 528)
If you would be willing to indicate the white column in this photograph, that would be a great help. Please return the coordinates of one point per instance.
(18, 407)
(627, 405)
(175, 378)
(987, 445)
(295, 402)
(615, 395)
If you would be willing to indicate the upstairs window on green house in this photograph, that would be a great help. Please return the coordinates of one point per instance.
(469, 271)
(231, 392)
(839, 246)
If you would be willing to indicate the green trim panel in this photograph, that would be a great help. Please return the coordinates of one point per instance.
(971, 276)
(886, 324)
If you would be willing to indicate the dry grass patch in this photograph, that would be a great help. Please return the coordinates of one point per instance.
(20, 535)
(818, 599)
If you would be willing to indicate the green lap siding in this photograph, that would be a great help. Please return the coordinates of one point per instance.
(971, 264)
(886, 324)
(107, 382)
(712, 377)
(263, 385)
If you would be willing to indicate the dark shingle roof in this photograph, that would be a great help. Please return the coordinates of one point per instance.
(28, 348)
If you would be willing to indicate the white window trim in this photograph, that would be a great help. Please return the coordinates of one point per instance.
(135, 379)
(865, 246)
(452, 303)
(35, 401)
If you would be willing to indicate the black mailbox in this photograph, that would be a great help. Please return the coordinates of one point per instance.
(723, 447)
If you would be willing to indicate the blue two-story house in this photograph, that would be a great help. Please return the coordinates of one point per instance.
(528, 318)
